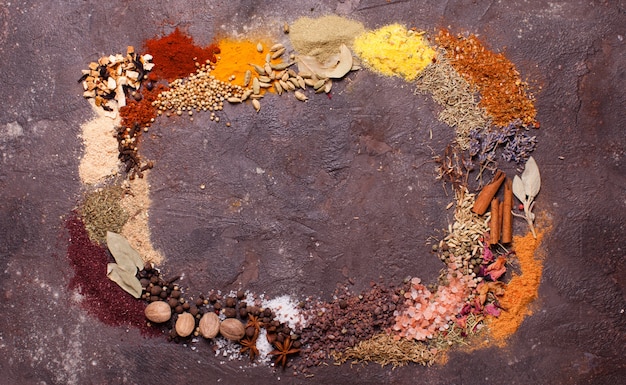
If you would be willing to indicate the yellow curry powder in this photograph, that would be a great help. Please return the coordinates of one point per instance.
(394, 50)
(236, 56)
(521, 291)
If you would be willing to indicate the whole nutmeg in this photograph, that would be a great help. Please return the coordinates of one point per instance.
(209, 325)
(232, 329)
(158, 312)
(185, 324)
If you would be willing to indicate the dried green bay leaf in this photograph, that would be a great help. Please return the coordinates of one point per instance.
(125, 279)
(126, 257)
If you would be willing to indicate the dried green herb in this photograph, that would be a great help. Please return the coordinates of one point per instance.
(101, 212)
(452, 92)
(128, 261)
(385, 350)
(526, 189)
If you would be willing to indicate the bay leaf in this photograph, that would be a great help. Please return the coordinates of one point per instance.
(125, 256)
(125, 279)
(518, 189)
(531, 178)
(336, 68)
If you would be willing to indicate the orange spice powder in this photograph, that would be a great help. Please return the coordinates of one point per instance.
(236, 56)
(521, 291)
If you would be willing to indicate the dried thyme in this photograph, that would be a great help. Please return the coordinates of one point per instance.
(101, 212)
(451, 91)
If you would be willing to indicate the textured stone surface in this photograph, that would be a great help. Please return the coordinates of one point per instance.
(285, 188)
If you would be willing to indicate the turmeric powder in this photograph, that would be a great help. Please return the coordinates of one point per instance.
(236, 57)
(521, 291)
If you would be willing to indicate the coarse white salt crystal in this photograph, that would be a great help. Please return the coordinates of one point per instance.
(287, 311)
(264, 347)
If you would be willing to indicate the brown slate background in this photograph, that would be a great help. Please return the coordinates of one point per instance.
(364, 153)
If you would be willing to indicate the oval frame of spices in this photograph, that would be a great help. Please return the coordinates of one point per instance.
(421, 321)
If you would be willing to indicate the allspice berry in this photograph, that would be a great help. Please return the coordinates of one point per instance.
(158, 312)
(232, 329)
(209, 325)
(185, 324)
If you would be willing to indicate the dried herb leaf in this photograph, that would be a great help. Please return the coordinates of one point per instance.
(125, 279)
(531, 179)
(335, 69)
(126, 257)
(518, 189)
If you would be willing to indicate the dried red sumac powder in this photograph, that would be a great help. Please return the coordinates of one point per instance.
(102, 298)
(175, 55)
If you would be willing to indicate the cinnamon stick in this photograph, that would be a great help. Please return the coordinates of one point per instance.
(494, 223)
(507, 212)
(483, 200)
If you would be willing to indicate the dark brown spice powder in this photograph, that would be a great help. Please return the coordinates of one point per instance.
(102, 298)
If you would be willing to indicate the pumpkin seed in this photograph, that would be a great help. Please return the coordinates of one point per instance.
(246, 78)
(328, 85)
(294, 81)
(278, 53)
(284, 85)
(305, 75)
(256, 105)
(246, 95)
(301, 82)
(259, 70)
(256, 87)
(265, 79)
(233, 99)
(259, 47)
(300, 96)
(265, 84)
(276, 47)
(268, 58)
(319, 84)
(267, 68)
(278, 88)
(281, 66)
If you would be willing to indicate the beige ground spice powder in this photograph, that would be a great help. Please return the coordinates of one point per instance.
(323, 36)
(100, 158)
(100, 162)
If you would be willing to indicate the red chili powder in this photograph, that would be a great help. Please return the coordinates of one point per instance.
(175, 55)
(102, 297)
(141, 112)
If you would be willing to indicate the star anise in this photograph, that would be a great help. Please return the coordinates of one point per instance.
(282, 351)
(254, 322)
(249, 345)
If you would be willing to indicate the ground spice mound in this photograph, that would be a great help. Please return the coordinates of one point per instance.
(333, 327)
(175, 55)
(323, 36)
(102, 298)
(235, 59)
(142, 111)
(504, 95)
(393, 50)
(521, 291)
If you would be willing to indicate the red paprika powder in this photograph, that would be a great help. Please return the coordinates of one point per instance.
(175, 55)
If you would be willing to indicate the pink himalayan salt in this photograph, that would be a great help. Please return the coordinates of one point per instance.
(426, 313)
